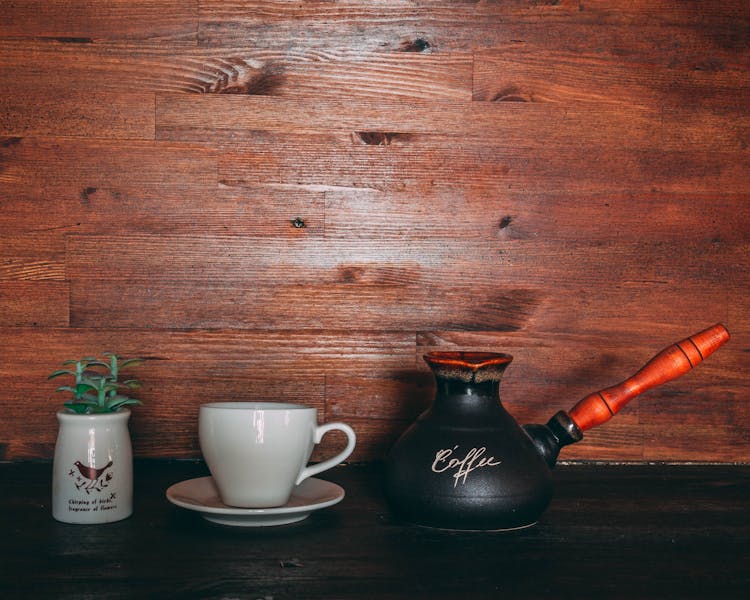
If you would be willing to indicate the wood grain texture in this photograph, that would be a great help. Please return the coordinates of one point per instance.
(439, 25)
(287, 200)
(508, 216)
(519, 74)
(233, 281)
(89, 21)
(34, 303)
(31, 255)
(427, 162)
(243, 70)
(124, 209)
(385, 122)
(45, 111)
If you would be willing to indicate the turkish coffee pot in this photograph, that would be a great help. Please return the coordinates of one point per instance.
(467, 464)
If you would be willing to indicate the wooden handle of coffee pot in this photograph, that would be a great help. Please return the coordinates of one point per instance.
(669, 364)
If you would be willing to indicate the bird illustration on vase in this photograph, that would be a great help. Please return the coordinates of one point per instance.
(89, 478)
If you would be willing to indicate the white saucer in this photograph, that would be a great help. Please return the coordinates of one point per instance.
(202, 496)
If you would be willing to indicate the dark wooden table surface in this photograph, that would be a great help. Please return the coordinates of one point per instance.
(647, 531)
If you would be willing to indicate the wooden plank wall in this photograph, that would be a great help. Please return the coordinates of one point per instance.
(295, 200)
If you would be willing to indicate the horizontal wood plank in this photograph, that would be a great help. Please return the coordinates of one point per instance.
(72, 201)
(557, 218)
(34, 303)
(382, 308)
(383, 122)
(244, 70)
(35, 163)
(230, 281)
(124, 209)
(686, 422)
(31, 255)
(527, 75)
(89, 21)
(42, 110)
(437, 26)
(311, 261)
(431, 161)
(279, 352)
(280, 306)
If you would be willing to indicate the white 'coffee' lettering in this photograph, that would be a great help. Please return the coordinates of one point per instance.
(474, 459)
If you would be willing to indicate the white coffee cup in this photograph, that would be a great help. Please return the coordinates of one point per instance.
(258, 451)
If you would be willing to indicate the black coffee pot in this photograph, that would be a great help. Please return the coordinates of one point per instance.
(467, 464)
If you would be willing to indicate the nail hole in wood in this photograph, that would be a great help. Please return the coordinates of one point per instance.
(417, 45)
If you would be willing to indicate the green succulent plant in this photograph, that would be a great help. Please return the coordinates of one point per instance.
(96, 387)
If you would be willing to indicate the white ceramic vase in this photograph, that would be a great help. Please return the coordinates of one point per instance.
(92, 473)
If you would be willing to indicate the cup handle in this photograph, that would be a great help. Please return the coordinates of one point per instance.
(320, 431)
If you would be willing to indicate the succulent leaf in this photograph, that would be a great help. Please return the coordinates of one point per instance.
(120, 401)
(61, 372)
(131, 362)
(95, 384)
